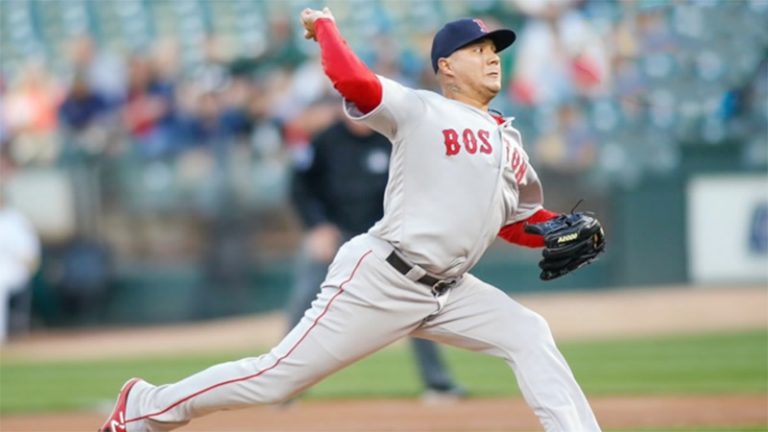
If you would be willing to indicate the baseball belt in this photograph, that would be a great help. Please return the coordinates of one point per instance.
(438, 286)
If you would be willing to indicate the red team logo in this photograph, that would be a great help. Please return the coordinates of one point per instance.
(472, 142)
(479, 142)
(481, 24)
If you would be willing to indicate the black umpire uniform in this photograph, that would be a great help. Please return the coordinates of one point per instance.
(342, 180)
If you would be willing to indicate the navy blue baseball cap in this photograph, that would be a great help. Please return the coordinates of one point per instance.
(460, 33)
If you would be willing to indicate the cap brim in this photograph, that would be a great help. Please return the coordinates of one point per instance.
(502, 38)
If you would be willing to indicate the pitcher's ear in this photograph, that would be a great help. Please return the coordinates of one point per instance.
(443, 64)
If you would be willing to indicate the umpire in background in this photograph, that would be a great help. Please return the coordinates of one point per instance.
(338, 191)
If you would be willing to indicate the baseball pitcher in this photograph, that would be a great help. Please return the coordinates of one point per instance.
(458, 178)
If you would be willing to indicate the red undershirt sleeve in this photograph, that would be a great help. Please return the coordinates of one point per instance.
(350, 76)
(515, 233)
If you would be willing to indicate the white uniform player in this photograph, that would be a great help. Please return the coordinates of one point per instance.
(457, 177)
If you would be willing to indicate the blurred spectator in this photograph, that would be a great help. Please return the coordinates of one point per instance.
(235, 98)
(629, 83)
(31, 111)
(299, 93)
(212, 73)
(266, 136)
(283, 50)
(84, 121)
(745, 110)
(164, 55)
(560, 55)
(82, 105)
(19, 258)
(203, 125)
(388, 58)
(102, 70)
(149, 109)
(571, 145)
(653, 31)
(216, 119)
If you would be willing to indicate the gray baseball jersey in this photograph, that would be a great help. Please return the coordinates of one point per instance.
(456, 177)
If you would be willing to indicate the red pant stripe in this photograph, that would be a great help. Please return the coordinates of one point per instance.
(277, 362)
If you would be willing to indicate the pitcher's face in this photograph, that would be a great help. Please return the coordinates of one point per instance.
(478, 67)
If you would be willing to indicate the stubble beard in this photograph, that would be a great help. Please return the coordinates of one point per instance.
(453, 88)
(483, 92)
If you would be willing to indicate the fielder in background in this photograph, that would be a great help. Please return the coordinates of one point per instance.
(338, 191)
(458, 179)
(19, 259)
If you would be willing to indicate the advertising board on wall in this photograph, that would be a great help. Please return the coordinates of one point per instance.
(727, 220)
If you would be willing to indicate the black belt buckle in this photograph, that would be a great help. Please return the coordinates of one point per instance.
(441, 286)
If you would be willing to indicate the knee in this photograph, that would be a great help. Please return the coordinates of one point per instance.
(277, 396)
(528, 331)
(279, 392)
(536, 324)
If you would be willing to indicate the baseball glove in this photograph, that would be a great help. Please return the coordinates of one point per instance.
(570, 241)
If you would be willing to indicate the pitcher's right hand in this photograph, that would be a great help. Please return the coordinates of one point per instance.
(308, 18)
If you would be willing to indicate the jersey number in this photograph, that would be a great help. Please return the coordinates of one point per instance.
(469, 139)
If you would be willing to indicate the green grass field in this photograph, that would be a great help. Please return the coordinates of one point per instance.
(706, 364)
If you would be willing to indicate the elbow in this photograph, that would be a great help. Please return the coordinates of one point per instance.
(364, 92)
